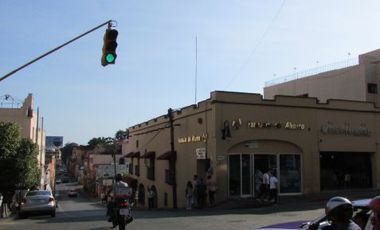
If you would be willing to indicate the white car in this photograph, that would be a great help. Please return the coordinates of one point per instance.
(37, 202)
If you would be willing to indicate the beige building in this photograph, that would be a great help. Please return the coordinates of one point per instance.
(358, 82)
(24, 114)
(311, 146)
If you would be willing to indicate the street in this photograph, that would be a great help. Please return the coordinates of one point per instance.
(84, 213)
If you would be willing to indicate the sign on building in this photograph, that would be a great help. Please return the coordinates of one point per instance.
(106, 171)
(200, 153)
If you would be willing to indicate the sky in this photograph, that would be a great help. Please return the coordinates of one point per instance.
(238, 44)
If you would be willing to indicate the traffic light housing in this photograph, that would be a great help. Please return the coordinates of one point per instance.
(109, 47)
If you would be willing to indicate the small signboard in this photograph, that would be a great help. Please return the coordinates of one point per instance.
(105, 171)
(200, 153)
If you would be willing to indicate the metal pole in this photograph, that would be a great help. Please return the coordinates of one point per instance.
(172, 161)
(53, 50)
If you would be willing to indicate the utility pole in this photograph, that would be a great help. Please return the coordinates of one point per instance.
(173, 158)
(55, 49)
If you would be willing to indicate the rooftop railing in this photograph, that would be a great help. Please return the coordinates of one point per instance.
(313, 71)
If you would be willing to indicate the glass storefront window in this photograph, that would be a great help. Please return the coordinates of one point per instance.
(290, 173)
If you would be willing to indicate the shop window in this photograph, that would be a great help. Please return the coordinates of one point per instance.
(345, 170)
(372, 88)
(121, 161)
(290, 173)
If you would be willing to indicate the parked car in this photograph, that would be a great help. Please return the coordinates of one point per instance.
(72, 193)
(361, 208)
(37, 202)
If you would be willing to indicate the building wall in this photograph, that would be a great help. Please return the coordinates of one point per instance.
(26, 118)
(347, 83)
(201, 127)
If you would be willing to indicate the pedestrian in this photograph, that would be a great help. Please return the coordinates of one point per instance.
(189, 195)
(211, 188)
(195, 192)
(201, 190)
(151, 196)
(273, 186)
(265, 186)
(258, 183)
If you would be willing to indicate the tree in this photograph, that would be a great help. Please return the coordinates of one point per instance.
(67, 151)
(101, 141)
(18, 160)
(122, 135)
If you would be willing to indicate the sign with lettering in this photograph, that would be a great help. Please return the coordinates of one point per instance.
(192, 139)
(275, 125)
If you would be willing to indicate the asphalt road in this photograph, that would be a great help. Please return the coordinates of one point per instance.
(83, 213)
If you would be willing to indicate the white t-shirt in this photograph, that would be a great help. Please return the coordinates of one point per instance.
(266, 178)
(273, 181)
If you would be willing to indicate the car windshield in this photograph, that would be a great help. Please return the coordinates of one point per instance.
(38, 193)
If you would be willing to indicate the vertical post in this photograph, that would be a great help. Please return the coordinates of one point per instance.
(114, 168)
(172, 160)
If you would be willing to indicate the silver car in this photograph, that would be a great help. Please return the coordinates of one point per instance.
(37, 202)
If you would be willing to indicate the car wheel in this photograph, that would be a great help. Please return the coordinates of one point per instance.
(53, 214)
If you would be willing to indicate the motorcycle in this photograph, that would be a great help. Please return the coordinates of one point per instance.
(122, 212)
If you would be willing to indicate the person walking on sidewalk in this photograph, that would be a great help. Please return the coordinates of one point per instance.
(211, 188)
(273, 186)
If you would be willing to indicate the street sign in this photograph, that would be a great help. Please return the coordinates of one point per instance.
(105, 171)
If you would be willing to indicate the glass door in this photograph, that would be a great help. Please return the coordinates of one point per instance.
(240, 175)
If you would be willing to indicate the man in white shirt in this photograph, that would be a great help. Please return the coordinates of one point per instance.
(273, 186)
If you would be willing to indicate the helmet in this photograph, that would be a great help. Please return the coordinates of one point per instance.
(339, 208)
(374, 204)
(119, 177)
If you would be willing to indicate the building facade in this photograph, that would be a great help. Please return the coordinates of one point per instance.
(311, 146)
(31, 126)
(357, 82)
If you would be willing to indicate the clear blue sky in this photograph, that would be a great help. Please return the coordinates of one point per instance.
(241, 45)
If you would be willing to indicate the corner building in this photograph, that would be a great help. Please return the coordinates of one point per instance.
(311, 146)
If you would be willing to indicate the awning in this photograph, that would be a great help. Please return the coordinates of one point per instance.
(132, 154)
(149, 155)
(168, 155)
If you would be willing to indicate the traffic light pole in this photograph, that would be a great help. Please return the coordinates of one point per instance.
(55, 49)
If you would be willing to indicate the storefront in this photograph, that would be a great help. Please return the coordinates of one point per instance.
(236, 137)
(246, 170)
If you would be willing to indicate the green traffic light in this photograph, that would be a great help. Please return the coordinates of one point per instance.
(110, 58)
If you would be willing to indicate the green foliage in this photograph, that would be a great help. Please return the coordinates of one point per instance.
(67, 151)
(18, 159)
(122, 135)
(101, 141)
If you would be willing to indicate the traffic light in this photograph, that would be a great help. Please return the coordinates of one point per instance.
(109, 47)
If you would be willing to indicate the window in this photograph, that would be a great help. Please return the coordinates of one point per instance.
(168, 177)
(150, 170)
(131, 167)
(137, 170)
(372, 88)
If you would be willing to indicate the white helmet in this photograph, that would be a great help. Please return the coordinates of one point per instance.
(339, 208)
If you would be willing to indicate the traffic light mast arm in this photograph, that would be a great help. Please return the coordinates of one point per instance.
(55, 49)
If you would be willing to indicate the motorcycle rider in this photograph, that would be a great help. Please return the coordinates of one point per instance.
(339, 211)
(120, 189)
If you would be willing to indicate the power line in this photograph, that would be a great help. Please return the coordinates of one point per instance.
(242, 67)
